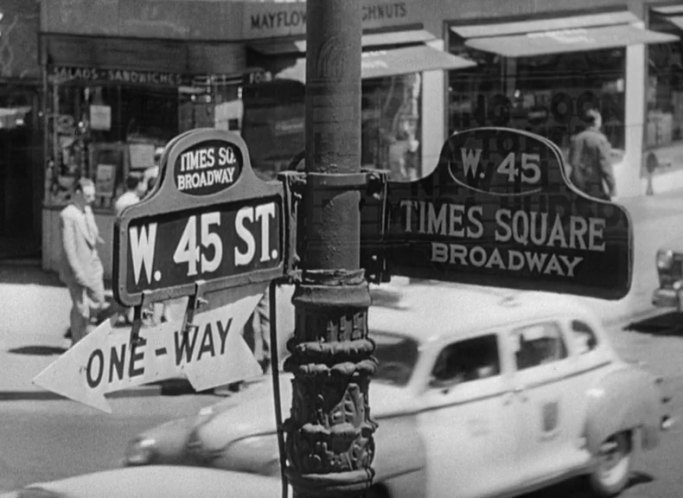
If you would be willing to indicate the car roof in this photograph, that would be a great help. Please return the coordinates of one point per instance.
(429, 310)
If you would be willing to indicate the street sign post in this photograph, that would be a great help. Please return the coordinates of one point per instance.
(213, 352)
(499, 210)
(210, 220)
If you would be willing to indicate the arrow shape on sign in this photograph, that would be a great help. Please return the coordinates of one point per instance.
(210, 353)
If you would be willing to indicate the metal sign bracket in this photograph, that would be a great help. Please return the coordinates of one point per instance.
(373, 187)
(139, 311)
(195, 301)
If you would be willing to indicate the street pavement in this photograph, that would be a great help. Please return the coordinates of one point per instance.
(35, 304)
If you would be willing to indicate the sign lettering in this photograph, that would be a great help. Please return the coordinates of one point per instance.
(232, 240)
(210, 353)
(208, 169)
(66, 73)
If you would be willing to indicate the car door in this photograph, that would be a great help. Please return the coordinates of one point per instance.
(468, 421)
(546, 391)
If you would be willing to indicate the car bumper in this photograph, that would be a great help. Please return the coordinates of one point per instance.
(667, 298)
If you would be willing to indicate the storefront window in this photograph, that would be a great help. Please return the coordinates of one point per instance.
(390, 130)
(391, 125)
(664, 91)
(105, 131)
(273, 125)
(543, 94)
(105, 125)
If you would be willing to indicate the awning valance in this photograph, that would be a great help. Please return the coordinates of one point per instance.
(672, 13)
(676, 20)
(390, 62)
(668, 10)
(559, 35)
(367, 40)
(144, 55)
(412, 59)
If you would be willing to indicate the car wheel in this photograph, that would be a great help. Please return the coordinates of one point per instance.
(613, 466)
(377, 491)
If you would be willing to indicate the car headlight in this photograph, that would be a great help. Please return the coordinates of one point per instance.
(257, 454)
(665, 259)
(37, 493)
(140, 451)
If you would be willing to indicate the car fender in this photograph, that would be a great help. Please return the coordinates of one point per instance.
(400, 456)
(625, 399)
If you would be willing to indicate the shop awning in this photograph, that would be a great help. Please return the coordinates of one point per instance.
(559, 35)
(672, 13)
(367, 40)
(412, 59)
(391, 62)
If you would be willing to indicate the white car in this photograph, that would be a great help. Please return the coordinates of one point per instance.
(155, 482)
(479, 392)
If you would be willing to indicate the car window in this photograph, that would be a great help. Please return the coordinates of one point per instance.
(396, 356)
(467, 360)
(584, 336)
(538, 344)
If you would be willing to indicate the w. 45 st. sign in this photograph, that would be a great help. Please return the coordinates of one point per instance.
(211, 220)
(499, 210)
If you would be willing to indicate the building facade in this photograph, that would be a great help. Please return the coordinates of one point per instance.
(21, 158)
(122, 77)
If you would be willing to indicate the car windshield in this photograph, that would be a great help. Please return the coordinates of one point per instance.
(397, 356)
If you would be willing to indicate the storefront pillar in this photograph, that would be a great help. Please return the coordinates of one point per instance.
(434, 119)
(627, 174)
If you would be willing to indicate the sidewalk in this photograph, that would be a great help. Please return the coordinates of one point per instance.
(35, 304)
(34, 318)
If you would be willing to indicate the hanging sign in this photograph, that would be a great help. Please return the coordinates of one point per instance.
(210, 353)
(211, 220)
(499, 210)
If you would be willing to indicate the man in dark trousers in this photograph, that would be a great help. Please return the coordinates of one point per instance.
(80, 267)
(589, 158)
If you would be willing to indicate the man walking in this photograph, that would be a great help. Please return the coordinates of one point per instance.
(80, 267)
(589, 157)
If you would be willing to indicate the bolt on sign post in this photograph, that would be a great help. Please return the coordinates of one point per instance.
(499, 210)
(329, 443)
(211, 231)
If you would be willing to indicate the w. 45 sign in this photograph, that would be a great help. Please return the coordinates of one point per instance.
(168, 251)
(261, 218)
(211, 221)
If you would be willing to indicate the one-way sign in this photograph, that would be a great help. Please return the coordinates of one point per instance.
(210, 353)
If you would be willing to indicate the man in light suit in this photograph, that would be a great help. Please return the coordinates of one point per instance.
(80, 267)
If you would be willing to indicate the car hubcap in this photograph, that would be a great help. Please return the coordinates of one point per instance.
(613, 461)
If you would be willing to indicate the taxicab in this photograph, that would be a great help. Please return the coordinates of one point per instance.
(480, 392)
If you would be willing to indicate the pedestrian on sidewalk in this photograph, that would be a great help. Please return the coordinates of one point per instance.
(589, 158)
(80, 267)
(136, 189)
